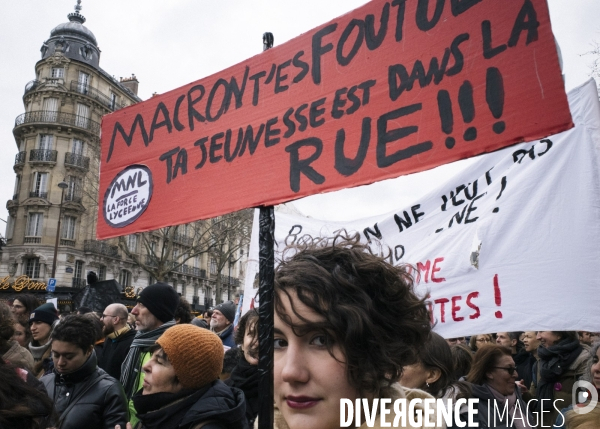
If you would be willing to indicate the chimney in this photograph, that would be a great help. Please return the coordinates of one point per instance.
(131, 83)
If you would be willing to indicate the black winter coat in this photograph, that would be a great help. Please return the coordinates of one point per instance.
(216, 406)
(99, 403)
(114, 353)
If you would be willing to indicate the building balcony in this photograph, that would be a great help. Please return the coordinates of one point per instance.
(77, 161)
(43, 156)
(183, 239)
(20, 159)
(79, 283)
(101, 248)
(38, 194)
(67, 242)
(58, 118)
(96, 95)
(32, 240)
(31, 85)
(74, 198)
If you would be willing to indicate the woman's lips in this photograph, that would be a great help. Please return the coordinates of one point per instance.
(301, 402)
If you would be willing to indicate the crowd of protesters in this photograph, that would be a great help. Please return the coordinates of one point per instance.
(347, 324)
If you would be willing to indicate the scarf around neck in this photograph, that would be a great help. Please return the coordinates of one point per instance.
(38, 351)
(131, 365)
(554, 362)
(165, 410)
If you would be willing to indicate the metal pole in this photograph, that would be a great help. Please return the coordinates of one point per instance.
(266, 277)
(62, 196)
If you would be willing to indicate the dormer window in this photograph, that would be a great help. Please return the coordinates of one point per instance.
(58, 72)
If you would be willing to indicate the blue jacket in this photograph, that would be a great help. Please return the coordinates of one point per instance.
(227, 337)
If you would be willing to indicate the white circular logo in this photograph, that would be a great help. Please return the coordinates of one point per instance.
(128, 196)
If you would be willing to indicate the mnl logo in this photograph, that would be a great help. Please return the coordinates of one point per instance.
(128, 196)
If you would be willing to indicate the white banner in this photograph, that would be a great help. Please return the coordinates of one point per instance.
(510, 244)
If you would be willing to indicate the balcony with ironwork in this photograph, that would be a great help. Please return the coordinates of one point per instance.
(38, 194)
(73, 197)
(79, 283)
(31, 85)
(101, 248)
(183, 239)
(77, 161)
(58, 118)
(67, 242)
(96, 95)
(20, 159)
(42, 156)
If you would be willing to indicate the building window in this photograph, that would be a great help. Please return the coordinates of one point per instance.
(68, 229)
(50, 108)
(83, 83)
(17, 187)
(58, 72)
(83, 116)
(113, 100)
(125, 278)
(74, 190)
(45, 142)
(78, 274)
(102, 273)
(32, 268)
(213, 266)
(34, 224)
(77, 147)
(10, 227)
(132, 243)
(40, 185)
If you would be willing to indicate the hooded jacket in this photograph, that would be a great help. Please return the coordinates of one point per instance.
(99, 399)
(216, 406)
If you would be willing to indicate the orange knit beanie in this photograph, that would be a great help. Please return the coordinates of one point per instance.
(196, 354)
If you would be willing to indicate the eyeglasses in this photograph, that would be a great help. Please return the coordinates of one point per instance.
(484, 340)
(511, 369)
(107, 315)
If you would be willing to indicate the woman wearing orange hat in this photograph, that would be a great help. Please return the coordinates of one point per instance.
(182, 387)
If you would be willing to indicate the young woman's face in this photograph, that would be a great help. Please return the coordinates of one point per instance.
(250, 345)
(500, 377)
(18, 309)
(547, 338)
(20, 335)
(596, 369)
(308, 381)
(159, 375)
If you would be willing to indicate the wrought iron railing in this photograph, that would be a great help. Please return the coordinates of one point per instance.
(183, 239)
(58, 118)
(75, 198)
(31, 85)
(67, 242)
(20, 158)
(76, 160)
(38, 194)
(100, 97)
(101, 248)
(42, 155)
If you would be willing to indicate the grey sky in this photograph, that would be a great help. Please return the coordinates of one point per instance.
(171, 43)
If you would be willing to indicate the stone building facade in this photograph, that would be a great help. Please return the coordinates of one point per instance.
(58, 144)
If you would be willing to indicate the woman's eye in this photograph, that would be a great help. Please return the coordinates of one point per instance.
(279, 343)
(319, 340)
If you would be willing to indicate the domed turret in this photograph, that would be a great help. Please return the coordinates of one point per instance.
(73, 40)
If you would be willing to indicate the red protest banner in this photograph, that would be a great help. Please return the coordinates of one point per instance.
(392, 88)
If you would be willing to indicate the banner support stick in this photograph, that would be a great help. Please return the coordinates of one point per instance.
(266, 235)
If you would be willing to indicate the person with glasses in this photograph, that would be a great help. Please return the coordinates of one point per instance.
(479, 340)
(493, 379)
(119, 337)
(457, 340)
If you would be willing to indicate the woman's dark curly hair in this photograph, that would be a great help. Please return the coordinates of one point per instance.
(183, 312)
(248, 322)
(7, 327)
(76, 329)
(368, 306)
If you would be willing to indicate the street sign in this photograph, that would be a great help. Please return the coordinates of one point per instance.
(51, 285)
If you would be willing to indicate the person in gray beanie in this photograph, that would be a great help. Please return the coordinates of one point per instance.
(42, 321)
(221, 322)
(153, 313)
